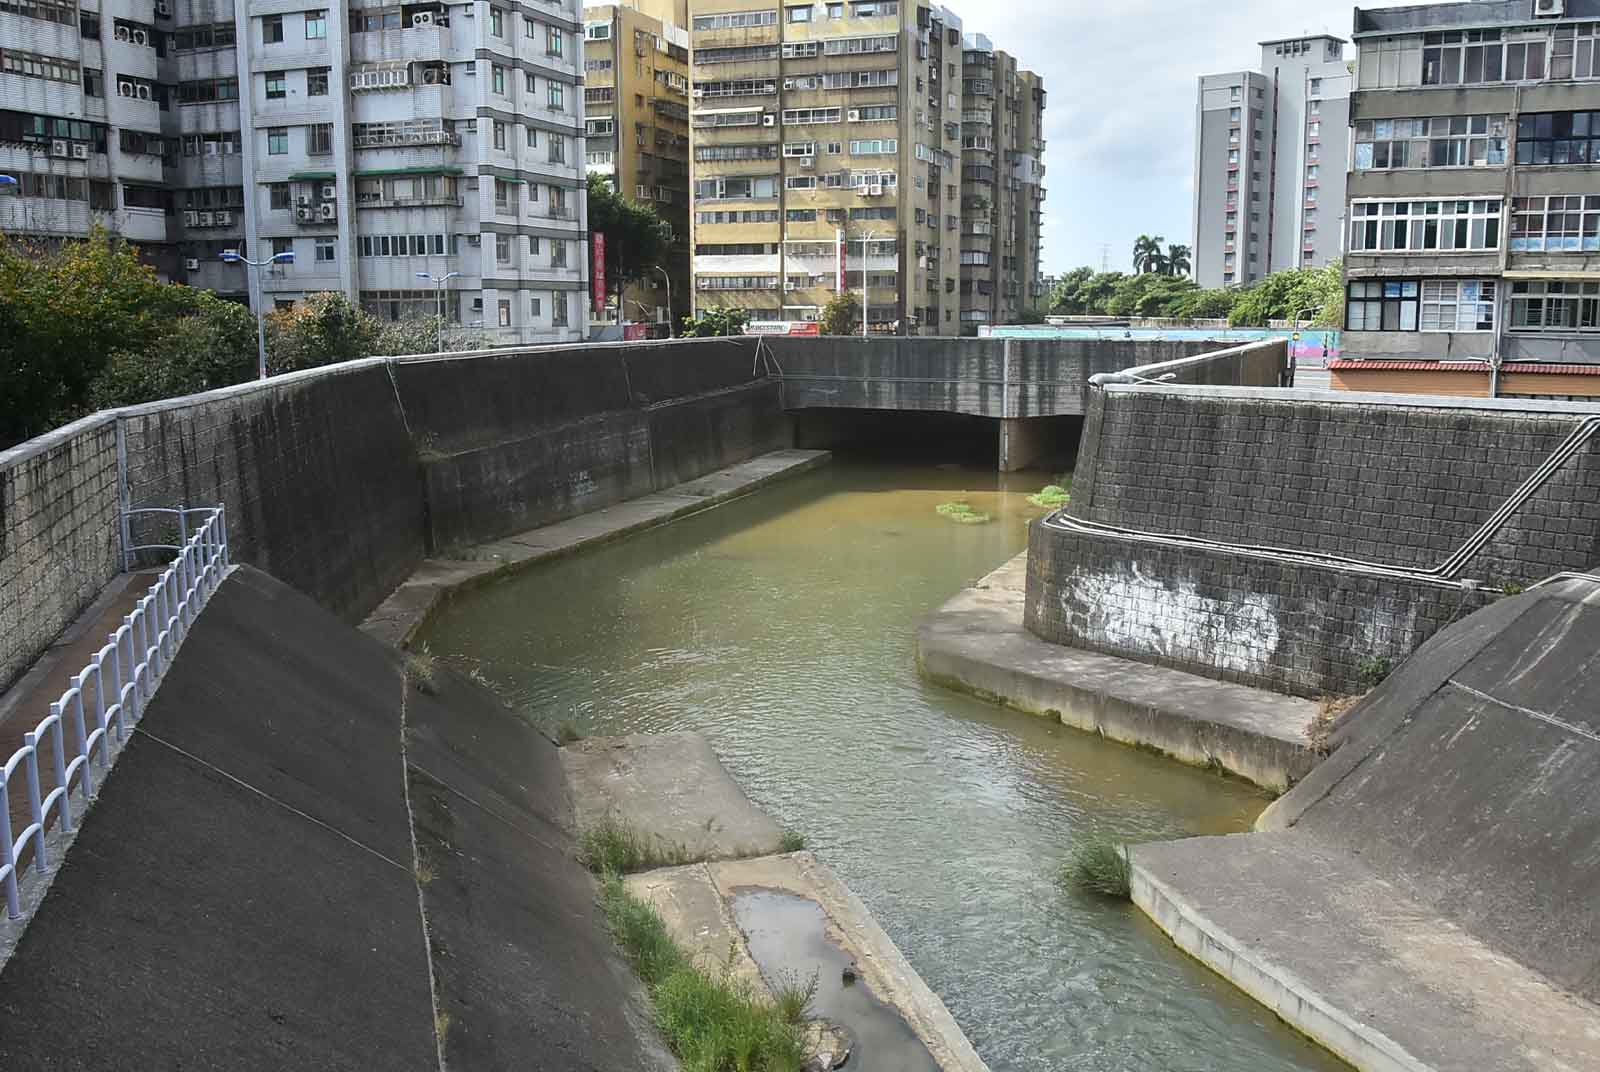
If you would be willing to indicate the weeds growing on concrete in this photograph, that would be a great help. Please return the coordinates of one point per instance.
(611, 847)
(961, 512)
(794, 997)
(1099, 867)
(1373, 669)
(421, 667)
(712, 1023)
(792, 841)
(1051, 497)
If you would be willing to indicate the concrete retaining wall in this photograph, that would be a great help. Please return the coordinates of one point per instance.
(1395, 480)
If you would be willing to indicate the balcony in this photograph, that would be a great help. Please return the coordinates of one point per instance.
(402, 133)
(560, 212)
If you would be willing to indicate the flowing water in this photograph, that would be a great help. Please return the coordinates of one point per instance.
(782, 627)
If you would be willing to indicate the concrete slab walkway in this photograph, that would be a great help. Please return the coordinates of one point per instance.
(976, 643)
(408, 607)
(1346, 957)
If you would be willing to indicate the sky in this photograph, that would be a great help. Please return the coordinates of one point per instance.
(1119, 117)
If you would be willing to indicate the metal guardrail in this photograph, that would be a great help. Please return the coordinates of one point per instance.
(122, 677)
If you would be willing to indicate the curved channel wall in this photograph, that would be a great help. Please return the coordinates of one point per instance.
(1398, 480)
(340, 480)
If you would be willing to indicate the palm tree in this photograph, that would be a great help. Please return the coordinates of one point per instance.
(1178, 260)
(1146, 251)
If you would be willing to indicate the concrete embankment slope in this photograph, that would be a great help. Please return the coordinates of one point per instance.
(1425, 899)
(250, 889)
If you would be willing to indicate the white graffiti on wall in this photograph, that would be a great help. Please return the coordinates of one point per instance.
(1128, 610)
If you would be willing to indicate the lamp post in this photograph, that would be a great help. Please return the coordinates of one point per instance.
(865, 238)
(438, 282)
(233, 256)
(668, 278)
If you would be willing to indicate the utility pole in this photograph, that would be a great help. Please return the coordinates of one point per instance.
(438, 282)
(233, 256)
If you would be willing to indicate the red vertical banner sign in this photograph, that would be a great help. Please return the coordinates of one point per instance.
(599, 274)
(838, 283)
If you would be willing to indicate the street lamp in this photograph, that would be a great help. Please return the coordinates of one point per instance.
(233, 256)
(438, 282)
(668, 278)
(865, 238)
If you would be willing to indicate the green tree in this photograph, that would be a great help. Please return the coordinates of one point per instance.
(1314, 294)
(324, 329)
(1178, 260)
(1150, 294)
(714, 322)
(637, 239)
(1206, 304)
(211, 344)
(1147, 255)
(841, 315)
(1067, 297)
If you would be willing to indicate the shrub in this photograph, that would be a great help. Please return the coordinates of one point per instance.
(611, 847)
(1099, 867)
(792, 841)
(1051, 497)
(1373, 669)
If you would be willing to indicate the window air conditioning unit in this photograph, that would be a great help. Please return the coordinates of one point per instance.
(697, 92)
(224, 219)
(191, 219)
(430, 76)
(422, 18)
(853, 115)
(328, 211)
(140, 37)
(305, 214)
(769, 120)
(163, 9)
(143, 92)
(192, 264)
(125, 89)
(59, 147)
(329, 191)
(791, 286)
(875, 190)
(807, 163)
(1549, 9)
(122, 33)
(80, 151)
(788, 83)
(205, 219)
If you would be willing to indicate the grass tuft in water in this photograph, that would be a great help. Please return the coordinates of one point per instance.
(1051, 497)
(794, 997)
(961, 512)
(712, 1023)
(421, 670)
(792, 841)
(611, 847)
(1099, 867)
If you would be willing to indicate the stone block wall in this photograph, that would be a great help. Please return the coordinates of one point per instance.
(59, 535)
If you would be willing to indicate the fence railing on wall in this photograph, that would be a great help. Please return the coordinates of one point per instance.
(108, 696)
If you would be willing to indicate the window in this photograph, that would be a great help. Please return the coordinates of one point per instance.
(552, 40)
(505, 194)
(558, 149)
(282, 245)
(1445, 141)
(800, 116)
(1316, 87)
(94, 83)
(505, 312)
(1573, 52)
(557, 97)
(497, 22)
(1555, 305)
(1233, 115)
(317, 29)
(1233, 92)
(558, 253)
(530, 84)
(497, 75)
(533, 245)
(319, 139)
(798, 14)
(874, 147)
(277, 141)
(1382, 305)
(499, 134)
(1562, 223)
(1312, 171)
(277, 85)
(533, 137)
(502, 249)
(317, 82)
(736, 20)
(325, 250)
(278, 196)
(558, 309)
(1458, 304)
(272, 30)
(1558, 138)
(1437, 226)
(1468, 57)
(533, 307)
(732, 187)
(206, 90)
(38, 65)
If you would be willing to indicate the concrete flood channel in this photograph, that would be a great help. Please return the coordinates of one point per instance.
(782, 627)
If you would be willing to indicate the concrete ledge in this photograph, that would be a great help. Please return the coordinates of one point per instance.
(408, 608)
(976, 643)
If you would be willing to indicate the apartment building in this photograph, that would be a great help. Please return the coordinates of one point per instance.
(1474, 200)
(827, 152)
(1270, 154)
(636, 117)
(1002, 146)
(377, 143)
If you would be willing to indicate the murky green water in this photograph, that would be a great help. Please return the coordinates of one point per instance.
(782, 626)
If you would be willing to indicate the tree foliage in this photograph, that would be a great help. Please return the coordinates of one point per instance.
(1282, 295)
(714, 322)
(212, 344)
(637, 239)
(1314, 294)
(841, 315)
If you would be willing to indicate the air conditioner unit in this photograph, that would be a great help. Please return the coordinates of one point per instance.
(59, 147)
(305, 214)
(431, 76)
(205, 219)
(142, 92)
(853, 115)
(422, 18)
(213, 148)
(305, 202)
(808, 162)
(122, 33)
(769, 120)
(791, 286)
(697, 92)
(140, 37)
(163, 9)
(329, 191)
(224, 219)
(192, 264)
(328, 211)
(788, 83)
(125, 89)
(875, 190)
(1549, 9)
(80, 151)
(191, 219)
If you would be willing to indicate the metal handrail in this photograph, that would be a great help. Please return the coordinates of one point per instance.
(121, 677)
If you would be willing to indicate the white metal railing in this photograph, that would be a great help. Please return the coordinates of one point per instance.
(121, 677)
